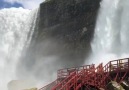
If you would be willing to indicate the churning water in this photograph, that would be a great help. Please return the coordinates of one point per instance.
(111, 38)
(16, 27)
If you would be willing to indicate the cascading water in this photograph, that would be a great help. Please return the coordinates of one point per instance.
(16, 27)
(112, 29)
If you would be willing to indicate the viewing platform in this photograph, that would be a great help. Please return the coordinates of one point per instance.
(88, 76)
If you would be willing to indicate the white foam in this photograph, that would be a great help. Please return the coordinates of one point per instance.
(111, 38)
(15, 24)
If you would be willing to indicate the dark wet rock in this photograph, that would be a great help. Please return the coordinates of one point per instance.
(114, 86)
(62, 36)
(68, 27)
(125, 85)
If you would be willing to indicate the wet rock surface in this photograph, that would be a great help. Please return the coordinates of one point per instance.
(62, 36)
(68, 26)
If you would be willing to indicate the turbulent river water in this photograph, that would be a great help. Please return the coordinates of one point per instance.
(16, 28)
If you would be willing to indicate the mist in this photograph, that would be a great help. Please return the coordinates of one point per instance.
(14, 32)
(42, 61)
(111, 33)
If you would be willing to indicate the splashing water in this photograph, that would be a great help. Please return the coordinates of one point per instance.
(111, 33)
(15, 25)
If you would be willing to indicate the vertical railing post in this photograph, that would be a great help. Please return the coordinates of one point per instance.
(110, 66)
(118, 64)
(128, 63)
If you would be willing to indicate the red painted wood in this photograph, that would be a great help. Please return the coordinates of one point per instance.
(89, 75)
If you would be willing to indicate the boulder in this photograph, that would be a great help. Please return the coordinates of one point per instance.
(21, 85)
(114, 86)
(125, 85)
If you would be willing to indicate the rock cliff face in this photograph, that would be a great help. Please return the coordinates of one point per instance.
(68, 25)
(62, 37)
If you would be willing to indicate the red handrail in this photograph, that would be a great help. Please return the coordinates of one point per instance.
(89, 75)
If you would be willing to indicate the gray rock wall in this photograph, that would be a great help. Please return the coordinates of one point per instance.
(68, 26)
(62, 37)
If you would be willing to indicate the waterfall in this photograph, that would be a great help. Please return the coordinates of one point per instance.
(16, 28)
(111, 38)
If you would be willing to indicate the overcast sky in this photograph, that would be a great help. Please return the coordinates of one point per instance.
(28, 4)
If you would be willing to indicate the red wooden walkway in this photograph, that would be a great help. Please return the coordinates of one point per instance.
(89, 76)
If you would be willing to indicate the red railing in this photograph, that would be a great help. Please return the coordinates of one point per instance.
(63, 82)
(71, 75)
(89, 75)
(63, 73)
